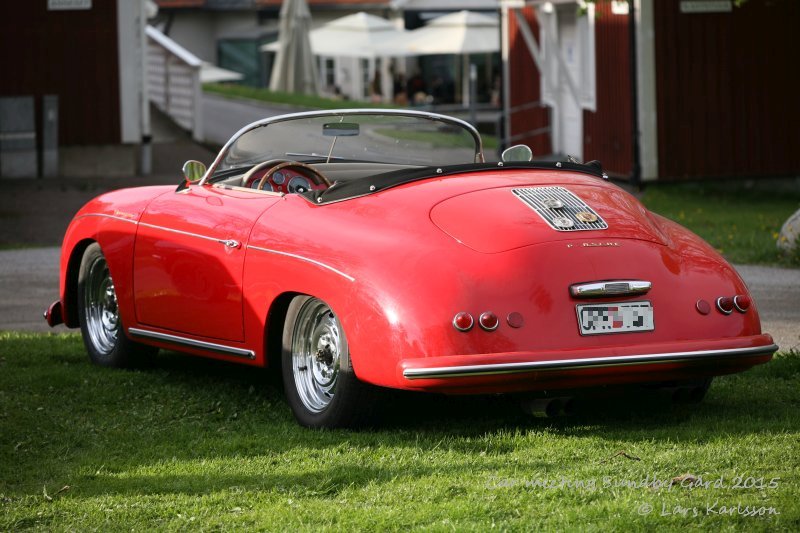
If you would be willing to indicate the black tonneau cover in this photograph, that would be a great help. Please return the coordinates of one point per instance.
(346, 190)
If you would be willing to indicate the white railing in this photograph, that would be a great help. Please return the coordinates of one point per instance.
(173, 81)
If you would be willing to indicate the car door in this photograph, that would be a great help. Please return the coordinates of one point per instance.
(189, 259)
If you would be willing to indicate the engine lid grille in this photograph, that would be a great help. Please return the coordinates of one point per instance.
(560, 208)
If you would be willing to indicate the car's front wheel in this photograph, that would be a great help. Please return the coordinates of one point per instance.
(98, 314)
(321, 387)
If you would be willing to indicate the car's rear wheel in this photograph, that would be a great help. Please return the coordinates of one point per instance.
(321, 387)
(98, 315)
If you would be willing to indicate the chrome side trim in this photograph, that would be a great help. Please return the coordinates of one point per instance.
(183, 341)
(230, 243)
(180, 232)
(601, 289)
(576, 364)
(103, 215)
(300, 257)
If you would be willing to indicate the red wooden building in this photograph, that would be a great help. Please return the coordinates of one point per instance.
(715, 91)
(86, 55)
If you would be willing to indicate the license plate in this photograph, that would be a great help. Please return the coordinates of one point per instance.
(627, 317)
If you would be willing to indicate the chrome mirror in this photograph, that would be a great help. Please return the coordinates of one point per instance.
(519, 152)
(193, 170)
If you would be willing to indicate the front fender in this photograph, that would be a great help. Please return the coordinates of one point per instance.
(110, 220)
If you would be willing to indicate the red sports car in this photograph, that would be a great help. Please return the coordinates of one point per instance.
(363, 249)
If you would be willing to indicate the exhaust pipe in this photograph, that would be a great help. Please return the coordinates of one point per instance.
(693, 394)
(680, 395)
(548, 407)
(569, 406)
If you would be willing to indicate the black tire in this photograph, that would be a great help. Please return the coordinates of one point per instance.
(321, 388)
(101, 328)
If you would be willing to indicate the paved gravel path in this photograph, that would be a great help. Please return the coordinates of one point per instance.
(29, 283)
(222, 117)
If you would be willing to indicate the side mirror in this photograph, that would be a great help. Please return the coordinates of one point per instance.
(193, 171)
(519, 152)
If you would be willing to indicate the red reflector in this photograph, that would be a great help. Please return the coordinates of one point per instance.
(489, 321)
(725, 304)
(515, 320)
(463, 321)
(703, 307)
(742, 302)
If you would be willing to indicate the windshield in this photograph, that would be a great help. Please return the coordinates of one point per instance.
(382, 136)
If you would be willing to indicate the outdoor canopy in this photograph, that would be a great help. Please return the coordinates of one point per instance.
(357, 35)
(461, 33)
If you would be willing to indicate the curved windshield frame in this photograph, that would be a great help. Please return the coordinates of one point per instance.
(353, 135)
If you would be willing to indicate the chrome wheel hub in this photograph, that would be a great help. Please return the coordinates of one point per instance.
(317, 346)
(101, 311)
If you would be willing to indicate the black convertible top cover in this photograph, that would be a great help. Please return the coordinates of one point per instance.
(352, 189)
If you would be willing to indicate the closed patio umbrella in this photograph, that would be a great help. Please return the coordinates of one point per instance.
(295, 69)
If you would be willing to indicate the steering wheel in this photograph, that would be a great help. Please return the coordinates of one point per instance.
(249, 174)
(310, 172)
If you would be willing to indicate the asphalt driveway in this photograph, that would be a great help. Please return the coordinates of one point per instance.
(29, 283)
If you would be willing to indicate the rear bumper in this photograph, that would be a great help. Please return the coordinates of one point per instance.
(531, 370)
(53, 315)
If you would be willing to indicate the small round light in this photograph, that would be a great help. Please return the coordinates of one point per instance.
(463, 321)
(515, 320)
(489, 321)
(725, 304)
(703, 307)
(742, 302)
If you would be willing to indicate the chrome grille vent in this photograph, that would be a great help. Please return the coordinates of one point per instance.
(560, 208)
(617, 288)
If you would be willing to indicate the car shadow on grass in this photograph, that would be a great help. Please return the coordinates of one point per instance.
(763, 396)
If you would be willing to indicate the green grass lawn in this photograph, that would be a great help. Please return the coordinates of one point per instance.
(741, 224)
(196, 444)
(293, 99)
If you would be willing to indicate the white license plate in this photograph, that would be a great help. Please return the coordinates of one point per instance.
(627, 317)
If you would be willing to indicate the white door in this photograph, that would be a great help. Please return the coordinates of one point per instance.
(571, 114)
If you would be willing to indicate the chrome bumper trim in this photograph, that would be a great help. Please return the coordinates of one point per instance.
(576, 364)
(183, 341)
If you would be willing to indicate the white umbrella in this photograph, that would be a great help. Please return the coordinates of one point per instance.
(462, 33)
(294, 69)
(356, 35)
(465, 32)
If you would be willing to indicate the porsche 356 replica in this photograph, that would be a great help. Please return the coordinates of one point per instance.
(362, 249)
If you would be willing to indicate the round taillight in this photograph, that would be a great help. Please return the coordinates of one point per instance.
(463, 321)
(489, 321)
(742, 302)
(725, 304)
(703, 307)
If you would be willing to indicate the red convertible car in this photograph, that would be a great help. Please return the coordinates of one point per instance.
(363, 249)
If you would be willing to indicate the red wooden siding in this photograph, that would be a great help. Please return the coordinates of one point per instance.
(607, 133)
(72, 54)
(727, 91)
(525, 90)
